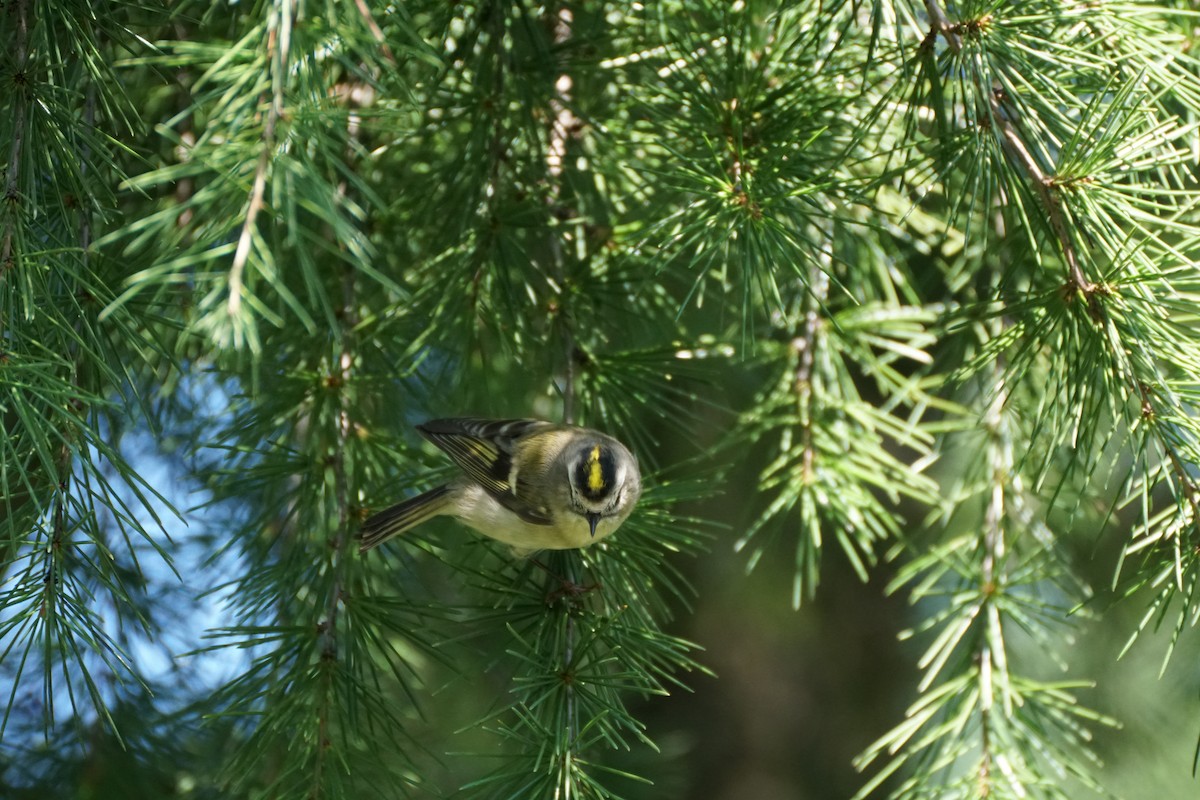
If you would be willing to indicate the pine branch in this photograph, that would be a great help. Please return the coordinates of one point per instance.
(603, 199)
(831, 460)
(980, 728)
(562, 124)
(279, 38)
(1047, 188)
(1005, 117)
(342, 545)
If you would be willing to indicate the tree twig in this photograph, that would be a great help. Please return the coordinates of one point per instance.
(278, 45)
(563, 125)
(1014, 144)
(942, 26)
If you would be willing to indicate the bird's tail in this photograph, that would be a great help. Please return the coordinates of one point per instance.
(403, 516)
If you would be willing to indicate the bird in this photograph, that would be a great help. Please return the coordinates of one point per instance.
(531, 484)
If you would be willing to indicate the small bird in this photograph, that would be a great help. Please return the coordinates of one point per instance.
(531, 484)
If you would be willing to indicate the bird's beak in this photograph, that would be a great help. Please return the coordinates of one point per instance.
(593, 519)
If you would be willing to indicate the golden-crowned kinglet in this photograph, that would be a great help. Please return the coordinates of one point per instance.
(533, 485)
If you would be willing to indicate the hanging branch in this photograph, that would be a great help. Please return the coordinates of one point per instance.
(1007, 731)
(342, 541)
(1005, 119)
(562, 126)
(342, 545)
(1002, 115)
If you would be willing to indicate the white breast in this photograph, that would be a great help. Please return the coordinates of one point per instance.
(481, 511)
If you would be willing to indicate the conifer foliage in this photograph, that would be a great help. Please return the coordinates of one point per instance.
(913, 284)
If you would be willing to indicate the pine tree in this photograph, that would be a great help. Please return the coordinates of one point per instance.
(913, 284)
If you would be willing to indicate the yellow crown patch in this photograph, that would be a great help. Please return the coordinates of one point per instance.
(595, 478)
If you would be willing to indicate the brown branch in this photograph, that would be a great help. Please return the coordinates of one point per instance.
(278, 43)
(563, 125)
(1014, 144)
(242, 254)
(942, 25)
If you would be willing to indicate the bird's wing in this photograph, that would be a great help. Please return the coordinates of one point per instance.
(483, 449)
